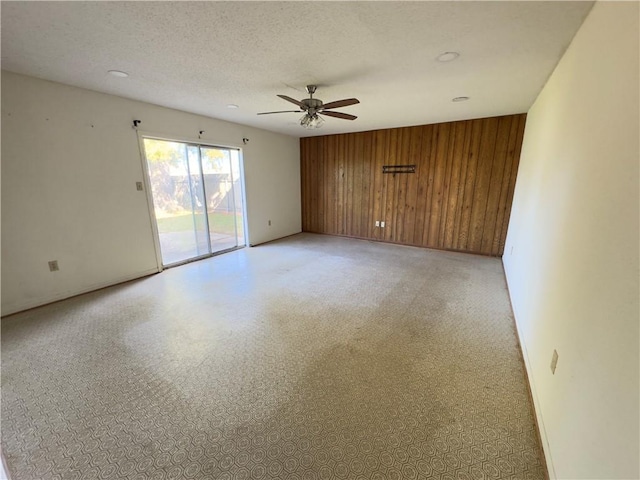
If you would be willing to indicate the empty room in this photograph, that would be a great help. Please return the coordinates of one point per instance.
(320, 240)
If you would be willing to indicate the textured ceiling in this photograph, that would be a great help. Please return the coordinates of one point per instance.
(201, 56)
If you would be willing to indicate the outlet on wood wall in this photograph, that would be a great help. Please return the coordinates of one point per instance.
(459, 197)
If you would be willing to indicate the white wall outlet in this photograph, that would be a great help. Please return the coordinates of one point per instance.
(554, 362)
(139, 186)
(53, 266)
(382, 224)
(377, 223)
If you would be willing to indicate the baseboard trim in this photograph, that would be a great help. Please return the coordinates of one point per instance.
(12, 310)
(404, 244)
(533, 395)
(264, 242)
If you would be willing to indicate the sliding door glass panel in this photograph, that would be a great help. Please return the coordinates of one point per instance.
(218, 180)
(198, 205)
(173, 199)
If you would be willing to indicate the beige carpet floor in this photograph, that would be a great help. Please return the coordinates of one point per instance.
(313, 357)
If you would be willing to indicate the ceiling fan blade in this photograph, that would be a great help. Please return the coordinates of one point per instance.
(344, 116)
(341, 103)
(281, 111)
(293, 100)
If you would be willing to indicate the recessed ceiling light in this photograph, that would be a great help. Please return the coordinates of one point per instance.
(232, 105)
(118, 73)
(460, 99)
(447, 56)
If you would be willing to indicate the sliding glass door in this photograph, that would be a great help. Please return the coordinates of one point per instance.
(197, 198)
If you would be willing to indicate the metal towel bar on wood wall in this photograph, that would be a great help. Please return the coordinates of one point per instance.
(398, 169)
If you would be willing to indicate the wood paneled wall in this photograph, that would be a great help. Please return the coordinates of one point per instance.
(459, 197)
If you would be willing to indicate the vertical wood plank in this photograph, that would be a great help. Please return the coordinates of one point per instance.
(444, 203)
(504, 189)
(399, 225)
(341, 184)
(467, 202)
(304, 175)
(495, 185)
(432, 160)
(390, 186)
(330, 179)
(320, 179)
(380, 153)
(346, 179)
(339, 228)
(512, 183)
(459, 134)
(423, 183)
(483, 180)
(368, 167)
(372, 140)
(350, 206)
(355, 145)
(439, 171)
(415, 144)
(311, 187)
(464, 170)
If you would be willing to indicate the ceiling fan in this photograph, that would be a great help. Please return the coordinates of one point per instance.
(314, 107)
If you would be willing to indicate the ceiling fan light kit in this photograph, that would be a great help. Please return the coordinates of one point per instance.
(314, 107)
(310, 122)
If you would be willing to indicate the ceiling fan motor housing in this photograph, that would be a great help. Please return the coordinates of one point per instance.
(313, 104)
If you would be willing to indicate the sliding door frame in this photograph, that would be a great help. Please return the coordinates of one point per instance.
(149, 194)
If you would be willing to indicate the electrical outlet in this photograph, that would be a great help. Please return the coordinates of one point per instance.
(377, 223)
(269, 222)
(139, 186)
(554, 362)
(382, 224)
(53, 266)
(511, 251)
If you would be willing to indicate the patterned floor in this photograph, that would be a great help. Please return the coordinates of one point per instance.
(313, 357)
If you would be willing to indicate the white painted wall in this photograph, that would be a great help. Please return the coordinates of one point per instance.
(70, 160)
(573, 273)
